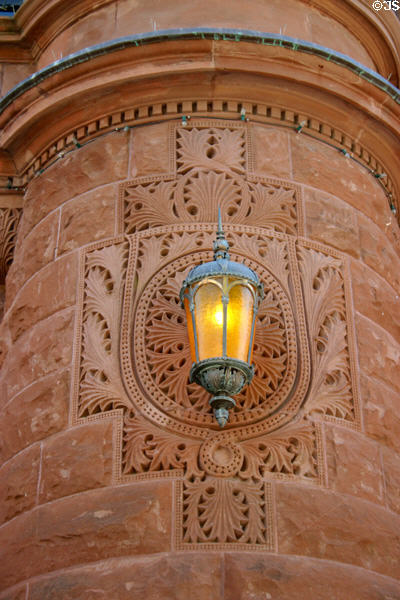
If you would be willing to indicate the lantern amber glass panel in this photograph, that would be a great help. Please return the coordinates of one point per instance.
(209, 315)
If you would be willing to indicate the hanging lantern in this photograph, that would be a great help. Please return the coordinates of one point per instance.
(221, 300)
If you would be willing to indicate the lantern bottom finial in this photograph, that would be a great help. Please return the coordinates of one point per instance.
(221, 405)
(222, 377)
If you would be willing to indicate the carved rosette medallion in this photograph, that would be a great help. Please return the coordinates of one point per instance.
(132, 354)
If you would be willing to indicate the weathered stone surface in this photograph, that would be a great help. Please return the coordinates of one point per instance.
(13, 73)
(376, 299)
(150, 153)
(16, 593)
(379, 353)
(18, 483)
(354, 465)
(271, 151)
(96, 208)
(391, 469)
(331, 221)
(39, 411)
(323, 167)
(17, 544)
(51, 290)
(178, 577)
(5, 344)
(45, 348)
(381, 411)
(378, 253)
(117, 521)
(76, 460)
(93, 27)
(102, 161)
(126, 18)
(32, 253)
(324, 524)
(271, 577)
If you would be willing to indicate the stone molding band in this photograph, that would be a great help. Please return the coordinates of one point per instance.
(210, 33)
(220, 109)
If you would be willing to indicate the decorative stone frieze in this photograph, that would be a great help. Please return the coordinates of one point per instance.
(132, 356)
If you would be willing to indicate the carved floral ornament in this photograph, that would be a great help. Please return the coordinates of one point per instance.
(9, 219)
(132, 351)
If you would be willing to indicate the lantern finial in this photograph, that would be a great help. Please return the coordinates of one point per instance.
(221, 245)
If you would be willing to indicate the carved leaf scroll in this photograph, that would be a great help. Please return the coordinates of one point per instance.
(330, 392)
(101, 387)
(290, 450)
(9, 219)
(147, 449)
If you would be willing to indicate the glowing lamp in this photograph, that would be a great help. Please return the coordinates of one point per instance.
(221, 300)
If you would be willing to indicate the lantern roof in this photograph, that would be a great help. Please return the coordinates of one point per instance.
(221, 265)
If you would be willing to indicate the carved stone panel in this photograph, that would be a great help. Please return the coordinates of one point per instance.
(211, 165)
(132, 358)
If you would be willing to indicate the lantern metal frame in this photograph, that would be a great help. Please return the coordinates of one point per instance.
(223, 376)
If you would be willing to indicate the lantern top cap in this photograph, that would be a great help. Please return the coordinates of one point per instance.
(221, 265)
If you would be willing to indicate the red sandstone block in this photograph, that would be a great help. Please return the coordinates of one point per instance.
(391, 468)
(18, 483)
(271, 151)
(271, 577)
(102, 161)
(189, 576)
(14, 73)
(90, 526)
(323, 524)
(76, 460)
(18, 547)
(49, 291)
(46, 347)
(32, 254)
(379, 353)
(381, 412)
(39, 411)
(376, 299)
(378, 252)
(323, 167)
(88, 218)
(5, 344)
(16, 593)
(150, 153)
(354, 465)
(331, 221)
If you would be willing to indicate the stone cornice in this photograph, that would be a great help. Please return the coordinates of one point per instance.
(39, 22)
(210, 33)
(338, 99)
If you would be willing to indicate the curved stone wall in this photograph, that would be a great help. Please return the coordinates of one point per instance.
(328, 488)
(114, 479)
(301, 21)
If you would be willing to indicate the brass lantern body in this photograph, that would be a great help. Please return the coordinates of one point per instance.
(221, 300)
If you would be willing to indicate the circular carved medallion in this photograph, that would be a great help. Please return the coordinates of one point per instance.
(221, 457)
(162, 355)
